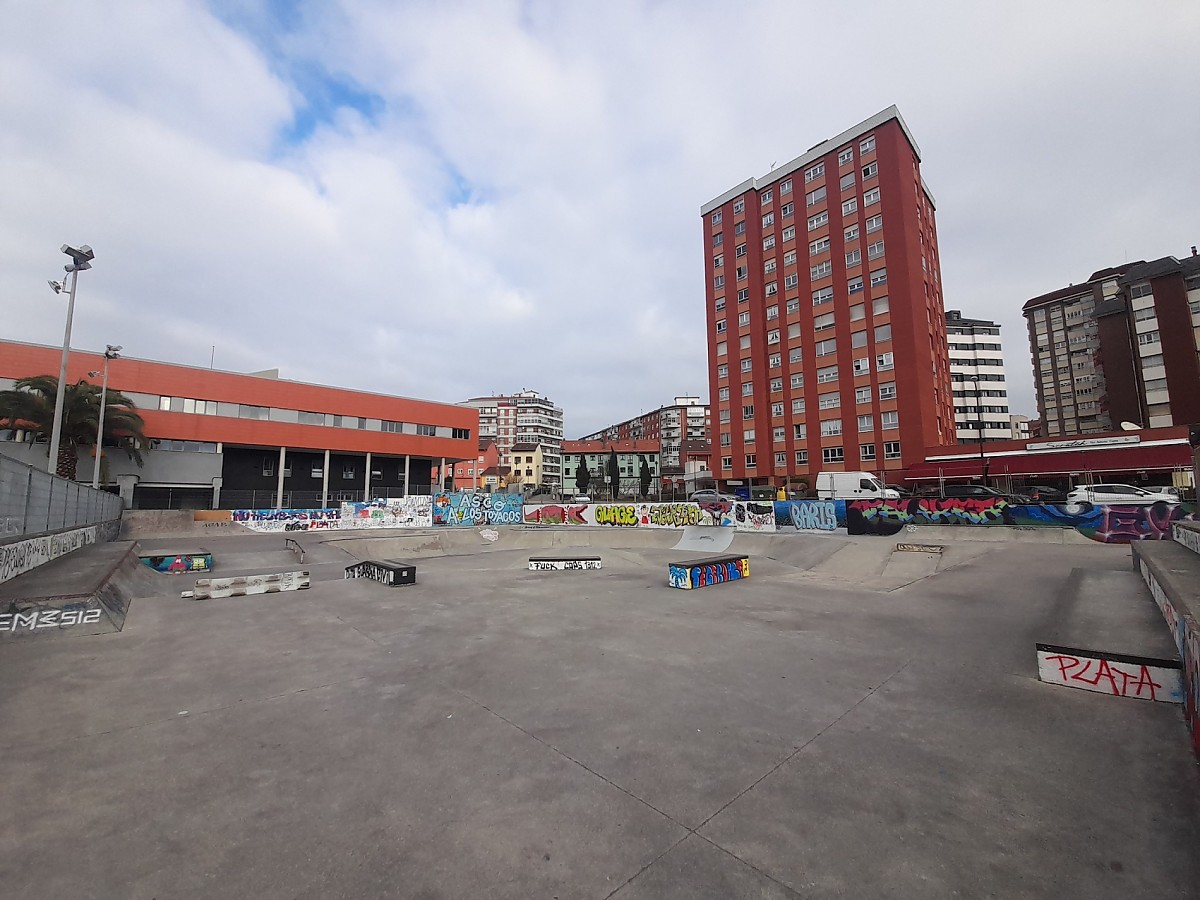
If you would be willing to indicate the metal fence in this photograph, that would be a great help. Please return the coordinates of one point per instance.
(33, 502)
(232, 499)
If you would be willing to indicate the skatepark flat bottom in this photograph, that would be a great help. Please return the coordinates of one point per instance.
(495, 732)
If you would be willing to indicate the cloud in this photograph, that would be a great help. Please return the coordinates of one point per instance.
(448, 199)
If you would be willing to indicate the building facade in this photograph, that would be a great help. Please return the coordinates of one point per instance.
(682, 432)
(470, 473)
(523, 418)
(826, 332)
(595, 455)
(1123, 347)
(252, 441)
(977, 379)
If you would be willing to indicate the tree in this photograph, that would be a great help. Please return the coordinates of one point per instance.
(30, 406)
(583, 477)
(614, 473)
(644, 474)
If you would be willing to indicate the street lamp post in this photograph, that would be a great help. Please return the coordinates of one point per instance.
(110, 352)
(81, 259)
(979, 425)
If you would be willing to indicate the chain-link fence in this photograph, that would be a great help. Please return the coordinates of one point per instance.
(233, 499)
(33, 502)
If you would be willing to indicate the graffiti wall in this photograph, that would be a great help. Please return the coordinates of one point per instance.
(1186, 632)
(1142, 678)
(740, 515)
(705, 572)
(396, 512)
(468, 508)
(811, 515)
(21, 556)
(1106, 524)
(287, 519)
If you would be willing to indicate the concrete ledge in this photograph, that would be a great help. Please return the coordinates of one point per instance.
(708, 570)
(563, 562)
(1187, 534)
(1172, 572)
(386, 571)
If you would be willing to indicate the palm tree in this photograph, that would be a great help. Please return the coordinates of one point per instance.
(30, 406)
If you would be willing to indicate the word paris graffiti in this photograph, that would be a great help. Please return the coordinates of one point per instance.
(21, 556)
(1106, 524)
(739, 515)
(698, 573)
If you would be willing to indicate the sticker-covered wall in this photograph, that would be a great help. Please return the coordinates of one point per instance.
(740, 515)
(21, 556)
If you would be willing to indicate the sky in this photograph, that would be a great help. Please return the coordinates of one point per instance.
(452, 199)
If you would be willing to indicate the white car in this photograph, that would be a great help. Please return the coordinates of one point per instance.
(1119, 494)
(581, 498)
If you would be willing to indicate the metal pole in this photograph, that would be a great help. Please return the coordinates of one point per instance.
(325, 482)
(279, 478)
(979, 411)
(367, 481)
(56, 431)
(100, 428)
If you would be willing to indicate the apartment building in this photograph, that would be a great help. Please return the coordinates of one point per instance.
(826, 331)
(594, 455)
(1120, 348)
(230, 439)
(977, 379)
(523, 418)
(681, 432)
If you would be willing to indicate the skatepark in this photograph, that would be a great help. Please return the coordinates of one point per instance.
(854, 719)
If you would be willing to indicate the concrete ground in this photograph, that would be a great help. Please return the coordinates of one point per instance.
(495, 732)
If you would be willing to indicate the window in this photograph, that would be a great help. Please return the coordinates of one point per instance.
(798, 407)
(347, 473)
(776, 360)
(719, 304)
(721, 348)
(817, 221)
(851, 233)
(765, 196)
(269, 467)
(789, 232)
(830, 427)
(849, 206)
(768, 242)
(724, 417)
(716, 217)
(857, 312)
(718, 260)
(790, 281)
(1141, 290)
(887, 390)
(793, 330)
(747, 365)
(777, 408)
(818, 246)
(748, 412)
(889, 420)
(1144, 315)
(846, 156)
(743, 295)
(771, 290)
(878, 277)
(723, 393)
(738, 205)
(883, 333)
(829, 401)
(824, 295)
(742, 272)
(781, 459)
(891, 450)
(740, 251)
(785, 187)
(821, 322)
(815, 172)
(802, 457)
(855, 284)
(847, 181)
(744, 318)
(253, 412)
(751, 460)
(720, 326)
(726, 461)
(768, 219)
(866, 423)
(812, 198)
(826, 347)
(833, 455)
(789, 258)
(787, 209)
(748, 436)
(862, 395)
(794, 357)
(874, 223)
(723, 370)
(769, 266)
(739, 228)
(871, 196)
(821, 269)
(797, 378)
(853, 258)
(885, 361)
(875, 250)
(870, 170)
(867, 144)
(866, 451)
(772, 312)
(879, 305)
(827, 374)
(1149, 337)
(773, 336)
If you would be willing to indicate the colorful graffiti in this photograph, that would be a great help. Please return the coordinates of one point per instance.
(742, 516)
(700, 573)
(179, 563)
(1186, 632)
(288, 519)
(814, 515)
(394, 512)
(1106, 524)
(21, 556)
(470, 508)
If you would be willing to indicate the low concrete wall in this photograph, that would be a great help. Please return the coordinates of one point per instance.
(20, 556)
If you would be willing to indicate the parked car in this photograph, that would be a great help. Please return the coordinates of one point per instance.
(709, 495)
(581, 498)
(1041, 493)
(1119, 493)
(901, 490)
(978, 490)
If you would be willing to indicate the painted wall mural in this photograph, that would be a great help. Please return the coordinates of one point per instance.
(742, 516)
(179, 563)
(21, 556)
(470, 508)
(395, 512)
(287, 519)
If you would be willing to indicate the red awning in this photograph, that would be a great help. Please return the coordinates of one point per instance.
(1160, 458)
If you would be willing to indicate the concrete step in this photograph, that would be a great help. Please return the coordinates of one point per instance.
(1187, 534)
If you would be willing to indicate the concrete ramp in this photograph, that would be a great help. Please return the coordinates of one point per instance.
(906, 566)
(150, 523)
(705, 539)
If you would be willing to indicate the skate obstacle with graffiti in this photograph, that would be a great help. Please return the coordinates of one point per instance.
(177, 562)
(391, 572)
(561, 563)
(705, 571)
(1171, 569)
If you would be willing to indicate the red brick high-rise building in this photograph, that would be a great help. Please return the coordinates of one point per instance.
(826, 332)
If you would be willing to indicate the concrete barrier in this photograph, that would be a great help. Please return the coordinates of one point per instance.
(563, 563)
(242, 585)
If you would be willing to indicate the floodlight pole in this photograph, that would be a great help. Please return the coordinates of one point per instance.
(56, 430)
(110, 353)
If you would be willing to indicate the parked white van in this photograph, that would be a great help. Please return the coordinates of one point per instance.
(853, 486)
